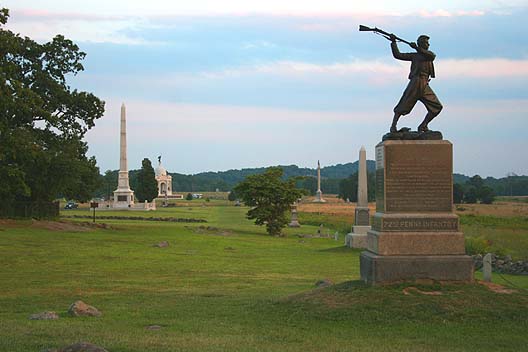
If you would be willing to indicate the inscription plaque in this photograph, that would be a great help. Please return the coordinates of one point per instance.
(418, 178)
(121, 198)
(362, 217)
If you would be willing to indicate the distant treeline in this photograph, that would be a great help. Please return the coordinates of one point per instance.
(339, 179)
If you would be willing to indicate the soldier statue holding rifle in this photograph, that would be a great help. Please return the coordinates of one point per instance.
(418, 89)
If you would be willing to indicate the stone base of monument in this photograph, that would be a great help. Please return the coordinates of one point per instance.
(415, 233)
(383, 269)
(294, 224)
(356, 240)
(358, 237)
(319, 197)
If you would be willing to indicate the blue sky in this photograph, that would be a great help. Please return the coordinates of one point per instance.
(217, 85)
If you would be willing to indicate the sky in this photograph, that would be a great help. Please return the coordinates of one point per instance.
(214, 85)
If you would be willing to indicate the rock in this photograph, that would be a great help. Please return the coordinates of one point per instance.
(162, 244)
(44, 316)
(153, 327)
(81, 309)
(324, 283)
(83, 347)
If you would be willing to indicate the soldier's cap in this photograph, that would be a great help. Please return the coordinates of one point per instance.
(422, 37)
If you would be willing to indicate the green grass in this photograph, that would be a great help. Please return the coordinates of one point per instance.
(502, 235)
(231, 288)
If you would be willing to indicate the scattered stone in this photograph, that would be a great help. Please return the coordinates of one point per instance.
(44, 316)
(324, 283)
(504, 265)
(229, 249)
(83, 347)
(153, 327)
(81, 309)
(162, 244)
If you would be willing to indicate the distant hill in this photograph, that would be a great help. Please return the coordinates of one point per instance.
(232, 177)
(331, 178)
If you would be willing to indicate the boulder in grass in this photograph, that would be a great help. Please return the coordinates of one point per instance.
(44, 316)
(324, 283)
(83, 347)
(162, 244)
(81, 309)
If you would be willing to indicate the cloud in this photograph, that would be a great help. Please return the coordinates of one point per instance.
(382, 71)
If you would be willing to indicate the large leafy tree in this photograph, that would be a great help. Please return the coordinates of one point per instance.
(147, 186)
(43, 120)
(270, 198)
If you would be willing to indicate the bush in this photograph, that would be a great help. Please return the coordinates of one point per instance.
(189, 196)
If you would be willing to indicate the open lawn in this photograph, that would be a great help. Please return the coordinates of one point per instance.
(225, 285)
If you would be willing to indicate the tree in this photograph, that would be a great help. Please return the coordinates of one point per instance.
(232, 196)
(348, 187)
(470, 196)
(486, 194)
(43, 121)
(147, 186)
(270, 198)
(458, 193)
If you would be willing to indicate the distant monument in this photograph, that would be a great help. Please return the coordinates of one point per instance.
(319, 194)
(294, 218)
(123, 195)
(164, 180)
(415, 233)
(358, 237)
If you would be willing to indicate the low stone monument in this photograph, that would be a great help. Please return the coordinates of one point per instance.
(294, 217)
(415, 233)
(358, 237)
(486, 267)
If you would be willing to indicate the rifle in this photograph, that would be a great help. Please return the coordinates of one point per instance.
(381, 32)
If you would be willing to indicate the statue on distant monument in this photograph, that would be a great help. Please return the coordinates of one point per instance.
(418, 89)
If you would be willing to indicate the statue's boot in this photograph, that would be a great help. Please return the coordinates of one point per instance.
(423, 126)
(393, 128)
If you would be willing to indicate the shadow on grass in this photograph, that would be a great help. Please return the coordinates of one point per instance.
(340, 249)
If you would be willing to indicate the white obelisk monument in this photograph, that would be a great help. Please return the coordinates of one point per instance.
(358, 237)
(319, 194)
(123, 195)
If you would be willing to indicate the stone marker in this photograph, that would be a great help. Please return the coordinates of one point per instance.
(415, 233)
(294, 218)
(486, 267)
(358, 237)
(44, 316)
(81, 309)
(319, 194)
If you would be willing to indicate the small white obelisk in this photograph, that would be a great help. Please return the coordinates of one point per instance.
(319, 194)
(123, 195)
(358, 237)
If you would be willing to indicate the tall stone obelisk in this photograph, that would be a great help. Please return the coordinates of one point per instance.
(358, 237)
(123, 195)
(319, 194)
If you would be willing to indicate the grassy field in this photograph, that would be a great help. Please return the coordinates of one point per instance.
(226, 286)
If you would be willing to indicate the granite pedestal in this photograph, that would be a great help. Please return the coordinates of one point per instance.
(415, 233)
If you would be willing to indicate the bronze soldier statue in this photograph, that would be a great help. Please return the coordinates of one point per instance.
(418, 89)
